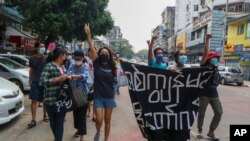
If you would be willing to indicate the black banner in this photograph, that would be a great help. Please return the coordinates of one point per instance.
(165, 101)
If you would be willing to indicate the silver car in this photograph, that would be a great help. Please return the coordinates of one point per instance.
(21, 59)
(231, 75)
(15, 72)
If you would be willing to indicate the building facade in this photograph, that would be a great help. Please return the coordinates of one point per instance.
(234, 5)
(237, 50)
(204, 17)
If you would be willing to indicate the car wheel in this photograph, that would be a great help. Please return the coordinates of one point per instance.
(239, 84)
(223, 81)
(18, 83)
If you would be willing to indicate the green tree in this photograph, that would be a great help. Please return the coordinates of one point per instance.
(124, 47)
(66, 18)
(143, 54)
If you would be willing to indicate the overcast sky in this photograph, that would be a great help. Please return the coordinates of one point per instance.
(137, 18)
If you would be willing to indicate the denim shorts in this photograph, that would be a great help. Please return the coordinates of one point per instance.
(104, 103)
(34, 91)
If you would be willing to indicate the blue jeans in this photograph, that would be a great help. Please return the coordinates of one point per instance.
(56, 122)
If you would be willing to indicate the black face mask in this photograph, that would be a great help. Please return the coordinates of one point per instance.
(104, 58)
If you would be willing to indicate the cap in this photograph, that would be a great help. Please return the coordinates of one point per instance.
(78, 53)
(212, 54)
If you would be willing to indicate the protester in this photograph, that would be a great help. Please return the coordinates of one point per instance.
(89, 66)
(210, 93)
(79, 74)
(180, 60)
(104, 76)
(36, 63)
(53, 76)
(158, 61)
(117, 65)
(68, 60)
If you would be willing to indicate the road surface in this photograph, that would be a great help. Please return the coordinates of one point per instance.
(235, 100)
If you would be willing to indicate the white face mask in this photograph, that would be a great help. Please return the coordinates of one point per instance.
(78, 63)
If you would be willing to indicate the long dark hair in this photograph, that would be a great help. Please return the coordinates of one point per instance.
(111, 62)
(55, 54)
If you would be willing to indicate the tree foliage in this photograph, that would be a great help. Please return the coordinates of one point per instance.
(142, 53)
(66, 18)
(124, 47)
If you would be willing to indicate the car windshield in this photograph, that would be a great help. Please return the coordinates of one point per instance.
(11, 64)
(234, 70)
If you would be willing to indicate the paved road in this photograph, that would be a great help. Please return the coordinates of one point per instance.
(235, 100)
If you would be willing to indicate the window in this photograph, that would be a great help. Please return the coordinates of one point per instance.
(193, 36)
(203, 2)
(2, 69)
(240, 29)
(196, 8)
(238, 8)
(187, 8)
(234, 70)
(248, 30)
(199, 34)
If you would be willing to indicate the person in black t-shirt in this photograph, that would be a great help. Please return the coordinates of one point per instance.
(210, 93)
(104, 76)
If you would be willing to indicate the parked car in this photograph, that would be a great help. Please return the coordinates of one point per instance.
(231, 75)
(11, 101)
(21, 59)
(15, 72)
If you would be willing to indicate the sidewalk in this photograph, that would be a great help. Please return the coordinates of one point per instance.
(246, 83)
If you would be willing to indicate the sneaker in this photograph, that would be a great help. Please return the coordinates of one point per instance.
(97, 136)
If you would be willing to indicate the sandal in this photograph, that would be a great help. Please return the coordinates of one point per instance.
(45, 119)
(76, 134)
(32, 124)
(199, 136)
(213, 138)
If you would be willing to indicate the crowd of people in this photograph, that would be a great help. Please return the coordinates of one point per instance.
(96, 73)
(209, 94)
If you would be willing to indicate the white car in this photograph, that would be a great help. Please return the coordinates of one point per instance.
(11, 101)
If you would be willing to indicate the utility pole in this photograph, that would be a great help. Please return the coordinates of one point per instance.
(224, 31)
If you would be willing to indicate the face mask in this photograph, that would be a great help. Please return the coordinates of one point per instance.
(78, 63)
(182, 59)
(160, 58)
(42, 50)
(104, 58)
(214, 61)
(165, 59)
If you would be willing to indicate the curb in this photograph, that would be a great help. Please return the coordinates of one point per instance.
(245, 85)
